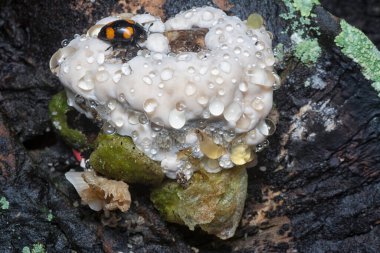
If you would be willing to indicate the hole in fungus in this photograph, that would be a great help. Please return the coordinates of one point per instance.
(80, 122)
(42, 141)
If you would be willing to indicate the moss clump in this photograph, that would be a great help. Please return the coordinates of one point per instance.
(213, 201)
(308, 51)
(356, 45)
(117, 157)
(37, 248)
(58, 108)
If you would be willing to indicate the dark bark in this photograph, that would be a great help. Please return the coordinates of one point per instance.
(315, 189)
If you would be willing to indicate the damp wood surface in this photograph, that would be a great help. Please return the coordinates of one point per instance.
(315, 189)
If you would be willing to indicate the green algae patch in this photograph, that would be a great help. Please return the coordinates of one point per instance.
(58, 108)
(214, 202)
(308, 51)
(118, 158)
(357, 46)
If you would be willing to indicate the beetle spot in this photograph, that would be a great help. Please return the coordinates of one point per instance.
(128, 32)
(110, 33)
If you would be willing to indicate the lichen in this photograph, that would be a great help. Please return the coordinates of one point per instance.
(117, 157)
(4, 204)
(308, 51)
(37, 248)
(305, 6)
(300, 15)
(50, 216)
(212, 201)
(357, 46)
(58, 108)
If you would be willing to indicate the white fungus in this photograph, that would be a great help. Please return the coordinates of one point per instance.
(213, 102)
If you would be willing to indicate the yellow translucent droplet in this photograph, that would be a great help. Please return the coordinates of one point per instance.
(241, 154)
(255, 21)
(208, 147)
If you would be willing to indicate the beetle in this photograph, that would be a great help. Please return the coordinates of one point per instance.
(122, 33)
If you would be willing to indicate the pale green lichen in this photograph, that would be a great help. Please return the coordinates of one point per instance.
(305, 6)
(37, 248)
(50, 216)
(4, 204)
(308, 51)
(356, 45)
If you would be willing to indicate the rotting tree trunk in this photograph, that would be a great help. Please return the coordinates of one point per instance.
(315, 189)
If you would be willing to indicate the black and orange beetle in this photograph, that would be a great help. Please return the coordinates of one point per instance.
(121, 33)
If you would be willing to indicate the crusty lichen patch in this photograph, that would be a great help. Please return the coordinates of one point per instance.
(356, 45)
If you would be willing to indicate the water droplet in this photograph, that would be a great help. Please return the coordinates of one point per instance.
(147, 80)
(101, 76)
(218, 31)
(258, 104)
(277, 83)
(211, 166)
(266, 127)
(226, 56)
(203, 70)
(255, 21)
(177, 119)
(132, 90)
(150, 105)
(134, 135)
(65, 42)
(118, 122)
(203, 100)
(224, 47)
(211, 85)
(166, 74)
(161, 85)
(116, 76)
(207, 16)
(237, 50)
(233, 112)
(180, 106)
(78, 67)
(86, 83)
(59, 57)
(225, 161)
(190, 89)
(241, 154)
(146, 65)
(152, 74)
(157, 124)
(191, 70)
(111, 105)
(225, 67)
(183, 57)
(214, 71)
(260, 45)
(133, 118)
(240, 39)
(108, 128)
(208, 147)
(66, 68)
(243, 86)
(188, 14)
(143, 119)
(216, 107)
(100, 58)
(259, 55)
(206, 114)
(221, 92)
(260, 147)
(229, 28)
(122, 97)
(243, 123)
(270, 60)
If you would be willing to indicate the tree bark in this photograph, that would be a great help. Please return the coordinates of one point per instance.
(315, 189)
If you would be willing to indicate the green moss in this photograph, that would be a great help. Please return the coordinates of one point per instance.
(356, 45)
(58, 108)
(4, 204)
(214, 202)
(117, 157)
(308, 51)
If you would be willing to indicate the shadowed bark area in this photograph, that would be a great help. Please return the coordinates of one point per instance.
(315, 189)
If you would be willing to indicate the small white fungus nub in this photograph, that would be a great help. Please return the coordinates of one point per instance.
(203, 101)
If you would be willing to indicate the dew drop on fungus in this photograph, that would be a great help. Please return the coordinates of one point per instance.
(216, 107)
(190, 89)
(166, 74)
(147, 80)
(180, 106)
(116, 76)
(177, 119)
(233, 112)
(258, 104)
(241, 153)
(108, 128)
(143, 119)
(156, 124)
(208, 147)
(150, 105)
(255, 21)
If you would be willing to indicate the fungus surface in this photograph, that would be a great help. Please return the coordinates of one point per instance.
(211, 102)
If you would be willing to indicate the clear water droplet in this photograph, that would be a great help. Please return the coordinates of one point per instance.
(177, 119)
(243, 87)
(190, 89)
(108, 128)
(216, 107)
(150, 105)
(65, 42)
(143, 119)
(147, 80)
(166, 74)
(258, 104)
